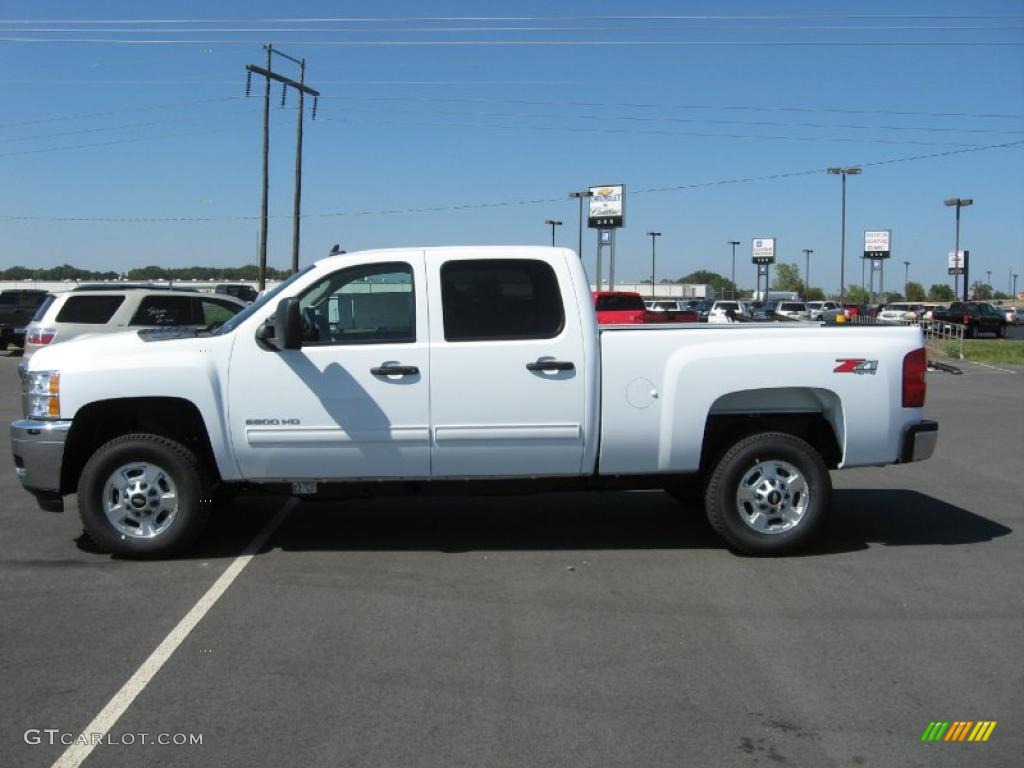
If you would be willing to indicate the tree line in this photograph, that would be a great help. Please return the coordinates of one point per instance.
(69, 272)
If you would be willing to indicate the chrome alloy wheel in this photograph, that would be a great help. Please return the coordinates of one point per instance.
(140, 500)
(772, 497)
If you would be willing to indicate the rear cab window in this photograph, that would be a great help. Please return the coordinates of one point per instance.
(89, 310)
(502, 299)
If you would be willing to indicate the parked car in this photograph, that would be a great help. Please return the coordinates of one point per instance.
(1013, 315)
(725, 311)
(670, 311)
(901, 312)
(823, 310)
(628, 308)
(244, 293)
(795, 310)
(702, 307)
(102, 309)
(975, 316)
(856, 310)
(17, 308)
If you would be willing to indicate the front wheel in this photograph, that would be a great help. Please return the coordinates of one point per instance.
(143, 496)
(768, 494)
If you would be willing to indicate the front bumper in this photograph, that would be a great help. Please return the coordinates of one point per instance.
(919, 441)
(38, 448)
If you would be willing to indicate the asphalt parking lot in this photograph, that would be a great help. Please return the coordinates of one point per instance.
(577, 630)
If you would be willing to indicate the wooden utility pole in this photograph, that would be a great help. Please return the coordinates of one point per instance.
(303, 89)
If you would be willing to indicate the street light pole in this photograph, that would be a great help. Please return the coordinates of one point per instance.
(1015, 287)
(553, 223)
(959, 202)
(988, 277)
(580, 196)
(652, 235)
(853, 171)
(807, 270)
(734, 243)
(906, 279)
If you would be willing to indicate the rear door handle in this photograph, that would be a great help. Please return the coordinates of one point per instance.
(551, 365)
(395, 370)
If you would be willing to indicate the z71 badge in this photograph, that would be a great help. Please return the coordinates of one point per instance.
(855, 365)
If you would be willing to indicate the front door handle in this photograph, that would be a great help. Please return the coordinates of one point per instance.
(395, 370)
(551, 365)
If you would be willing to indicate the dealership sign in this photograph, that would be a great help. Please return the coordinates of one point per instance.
(763, 250)
(607, 206)
(956, 262)
(876, 243)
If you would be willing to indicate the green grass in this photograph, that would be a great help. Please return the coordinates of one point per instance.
(1007, 351)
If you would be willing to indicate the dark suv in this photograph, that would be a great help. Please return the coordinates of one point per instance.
(17, 308)
(244, 293)
(975, 316)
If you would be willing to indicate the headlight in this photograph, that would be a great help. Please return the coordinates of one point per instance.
(41, 395)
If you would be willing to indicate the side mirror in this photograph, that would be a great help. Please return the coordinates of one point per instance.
(284, 330)
(287, 325)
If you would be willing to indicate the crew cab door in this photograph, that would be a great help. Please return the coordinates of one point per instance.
(508, 392)
(353, 402)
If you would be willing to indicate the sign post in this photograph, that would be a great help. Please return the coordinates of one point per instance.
(877, 248)
(763, 254)
(606, 213)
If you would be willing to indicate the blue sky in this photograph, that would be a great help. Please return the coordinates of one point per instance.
(719, 92)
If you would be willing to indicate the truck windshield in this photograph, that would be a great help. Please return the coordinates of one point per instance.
(261, 302)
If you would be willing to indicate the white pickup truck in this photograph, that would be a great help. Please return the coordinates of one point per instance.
(462, 370)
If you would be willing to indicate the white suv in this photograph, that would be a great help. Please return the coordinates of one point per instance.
(823, 310)
(720, 309)
(795, 310)
(91, 309)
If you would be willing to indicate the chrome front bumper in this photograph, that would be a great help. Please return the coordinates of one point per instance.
(919, 441)
(38, 448)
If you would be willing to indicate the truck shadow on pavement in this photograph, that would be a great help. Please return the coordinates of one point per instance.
(574, 521)
(578, 521)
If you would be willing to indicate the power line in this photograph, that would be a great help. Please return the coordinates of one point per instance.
(647, 105)
(124, 127)
(510, 203)
(618, 28)
(647, 17)
(83, 115)
(117, 141)
(697, 134)
(687, 120)
(539, 43)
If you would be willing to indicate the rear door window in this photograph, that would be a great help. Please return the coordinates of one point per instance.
(168, 311)
(502, 299)
(90, 310)
(218, 311)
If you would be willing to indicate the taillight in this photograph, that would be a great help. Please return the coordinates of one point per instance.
(967, 319)
(915, 365)
(41, 336)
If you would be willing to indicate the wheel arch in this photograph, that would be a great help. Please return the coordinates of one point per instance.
(99, 422)
(814, 415)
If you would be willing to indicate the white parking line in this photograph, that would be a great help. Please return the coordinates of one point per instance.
(991, 367)
(111, 713)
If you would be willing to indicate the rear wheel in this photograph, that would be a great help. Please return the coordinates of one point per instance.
(143, 496)
(768, 494)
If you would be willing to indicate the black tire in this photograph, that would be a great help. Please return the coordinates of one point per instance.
(178, 463)
(723, 508)
(3, 346)
(1000, 331)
